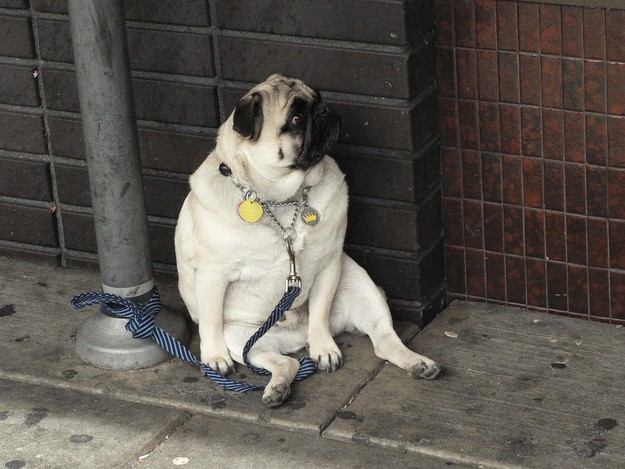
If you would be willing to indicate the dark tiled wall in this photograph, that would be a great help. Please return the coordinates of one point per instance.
(532, 118)
(191, 60)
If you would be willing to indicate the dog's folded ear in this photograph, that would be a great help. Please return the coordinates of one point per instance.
(248, 116)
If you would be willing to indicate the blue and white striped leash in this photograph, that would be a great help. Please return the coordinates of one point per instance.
(142, 326)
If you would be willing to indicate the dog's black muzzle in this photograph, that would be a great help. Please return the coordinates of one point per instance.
(324, 131)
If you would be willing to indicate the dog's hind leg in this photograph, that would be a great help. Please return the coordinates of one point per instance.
(360, 305)
(283, 370)
(266, 354)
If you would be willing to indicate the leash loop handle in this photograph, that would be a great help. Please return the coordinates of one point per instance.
(142, 326)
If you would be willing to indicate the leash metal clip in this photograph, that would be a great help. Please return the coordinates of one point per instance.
(293, 280)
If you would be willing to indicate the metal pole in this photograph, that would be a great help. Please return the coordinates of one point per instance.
(112, 149)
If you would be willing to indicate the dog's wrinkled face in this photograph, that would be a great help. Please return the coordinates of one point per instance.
(285, 124)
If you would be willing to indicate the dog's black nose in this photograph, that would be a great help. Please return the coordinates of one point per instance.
(321, 110)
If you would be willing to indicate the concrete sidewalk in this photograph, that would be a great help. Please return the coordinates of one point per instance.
(519, 389)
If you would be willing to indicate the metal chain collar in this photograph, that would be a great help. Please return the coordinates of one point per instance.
(288, 232)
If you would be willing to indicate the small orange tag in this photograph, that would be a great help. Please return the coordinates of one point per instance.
(310, 216)
(250, 211)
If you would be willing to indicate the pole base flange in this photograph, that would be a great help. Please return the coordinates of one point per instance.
(104, 342)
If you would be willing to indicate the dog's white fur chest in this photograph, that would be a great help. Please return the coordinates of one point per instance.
(253, 256)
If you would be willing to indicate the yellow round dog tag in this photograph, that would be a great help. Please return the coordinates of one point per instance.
(250, 211)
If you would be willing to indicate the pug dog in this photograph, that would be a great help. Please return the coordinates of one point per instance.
(268, 180)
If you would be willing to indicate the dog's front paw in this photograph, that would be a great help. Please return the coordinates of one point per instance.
(328, 358)
(221, 365)
(427, 369)
(276, 394)
(220, 361)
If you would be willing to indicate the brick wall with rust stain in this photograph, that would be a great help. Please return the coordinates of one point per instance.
(532, 119)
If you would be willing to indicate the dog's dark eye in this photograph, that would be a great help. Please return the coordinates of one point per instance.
(297, 119)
